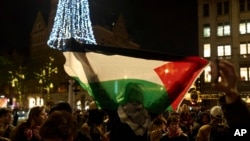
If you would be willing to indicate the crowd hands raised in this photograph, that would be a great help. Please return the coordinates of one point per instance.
(63, 124)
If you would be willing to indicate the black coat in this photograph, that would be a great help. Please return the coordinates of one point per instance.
(237, 116)
(122, 132)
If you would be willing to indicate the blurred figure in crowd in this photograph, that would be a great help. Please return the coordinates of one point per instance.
(131, 121)
(29, 129)
(60, 126)
(217, 121)
(186, 119)
(173, 130)
(5, 124)
(61, 106)
(15, 116)
(92, 129)
(202, 119)
(80, 118)
(157, 128)
(80, 134)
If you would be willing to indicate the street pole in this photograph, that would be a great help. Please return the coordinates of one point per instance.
(70, 93)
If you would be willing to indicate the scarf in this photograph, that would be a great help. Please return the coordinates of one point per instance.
(135, 116)
(32, 132)
(171, 132)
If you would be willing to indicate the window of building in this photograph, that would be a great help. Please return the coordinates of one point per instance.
(226, 7)
(244, 5)
(224, 51)
(248, 5)
(244, 49)
(207, 50)
(207, 75)
(244, 73)
(205, 10)
(244, 26)
(222, 7)
(223, 29)
(206, 30)
(219, 8)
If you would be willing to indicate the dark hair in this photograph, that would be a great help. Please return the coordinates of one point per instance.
(34, 113)
(4, 111)
(61, 106)
(59, 125)
(96, 116)
(18, 133)
(173, 118)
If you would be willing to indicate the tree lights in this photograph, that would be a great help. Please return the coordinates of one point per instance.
(16, 82)
(72, 20)
(45, 77)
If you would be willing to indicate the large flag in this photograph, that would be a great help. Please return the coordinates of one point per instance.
(109, 74)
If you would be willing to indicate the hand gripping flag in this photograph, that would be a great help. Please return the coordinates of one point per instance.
(108, 74)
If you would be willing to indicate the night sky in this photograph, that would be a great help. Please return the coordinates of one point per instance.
(160, 25)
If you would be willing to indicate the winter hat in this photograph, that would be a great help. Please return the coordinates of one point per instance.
(216, 112)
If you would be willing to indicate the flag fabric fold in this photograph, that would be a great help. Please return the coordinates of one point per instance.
(159, 80)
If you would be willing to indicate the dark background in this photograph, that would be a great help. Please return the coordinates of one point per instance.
(159, 25)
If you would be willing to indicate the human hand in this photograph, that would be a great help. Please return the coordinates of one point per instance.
(229, 80)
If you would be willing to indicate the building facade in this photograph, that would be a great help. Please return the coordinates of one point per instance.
(224, 33)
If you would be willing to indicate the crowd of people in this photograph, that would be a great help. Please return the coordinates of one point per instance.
(132, 122)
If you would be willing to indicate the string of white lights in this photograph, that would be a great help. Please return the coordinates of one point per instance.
(72, 20)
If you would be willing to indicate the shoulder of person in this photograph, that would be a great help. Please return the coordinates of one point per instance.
(205, 127)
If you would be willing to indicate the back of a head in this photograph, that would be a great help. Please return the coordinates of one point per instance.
(96, 116)
(59, 125)
(4, 111)
(61, 106)
(216, 112)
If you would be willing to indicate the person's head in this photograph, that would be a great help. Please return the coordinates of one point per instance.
(37, 115)
(159, 121)
(173, 121)
(61, 106)
(184, 108)
(5, 116)
(60, 126)
(216, 113)
(203, 118)
(96, 116)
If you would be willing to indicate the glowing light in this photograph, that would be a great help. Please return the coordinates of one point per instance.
(72, 20)
(166, 71)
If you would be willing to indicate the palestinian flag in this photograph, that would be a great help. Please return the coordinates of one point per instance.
(110, 74)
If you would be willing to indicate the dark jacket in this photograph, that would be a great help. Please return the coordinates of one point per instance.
(197, 124)
(237, 115)
(182, 137)
(122, 132)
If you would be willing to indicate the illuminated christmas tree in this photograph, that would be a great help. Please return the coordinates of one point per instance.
(72, 20)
